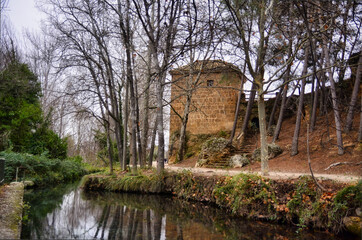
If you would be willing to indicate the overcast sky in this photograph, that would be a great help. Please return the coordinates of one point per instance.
(23, 15)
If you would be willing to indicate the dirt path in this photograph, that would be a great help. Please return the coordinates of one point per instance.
(272, 175)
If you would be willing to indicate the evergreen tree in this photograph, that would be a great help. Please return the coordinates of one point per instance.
(22, 125)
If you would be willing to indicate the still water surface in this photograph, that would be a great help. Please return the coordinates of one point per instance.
(66, 212)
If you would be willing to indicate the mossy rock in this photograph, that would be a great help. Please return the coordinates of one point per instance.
(238, 161)
(213, 146)
(353, 225)
(201, 162)
(213, 150)
(273, 151)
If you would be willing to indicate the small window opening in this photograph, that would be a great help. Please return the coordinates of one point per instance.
(210, 83)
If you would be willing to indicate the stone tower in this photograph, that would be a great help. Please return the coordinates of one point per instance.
(214, 85)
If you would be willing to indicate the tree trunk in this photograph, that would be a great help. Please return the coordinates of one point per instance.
(126, 35)
(360, 124)
(119, 142)
(262, 127)
(152, 149)
(313, 118)
(161, 140)
(316, 80)
(121, 131)
(139, 143)
(133, 104)
(324, 97)
(125, 131)
(281, 114)
(133, 134)
(110, 151)
(334, 98)
(249, 107)
(271, 118)
(182, 147)
(319, 88)
(145, 123)
(284, 97)
(294, 150)
(237, 111)
(185, 117)
(145, 127)
(352, 104)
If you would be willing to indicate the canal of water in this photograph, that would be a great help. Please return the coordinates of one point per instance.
(67, 212)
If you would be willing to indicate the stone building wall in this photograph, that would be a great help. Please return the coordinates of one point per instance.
(213, 107)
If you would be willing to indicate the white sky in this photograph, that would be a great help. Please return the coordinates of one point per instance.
(23, 15)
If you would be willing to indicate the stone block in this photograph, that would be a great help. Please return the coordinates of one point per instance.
(238, 161)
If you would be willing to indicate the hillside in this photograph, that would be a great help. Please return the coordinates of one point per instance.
(323, 153)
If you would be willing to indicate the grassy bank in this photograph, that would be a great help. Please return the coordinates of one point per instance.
(298, 202)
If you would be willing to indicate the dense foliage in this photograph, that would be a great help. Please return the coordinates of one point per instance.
(23, 128)
(40, 169)
(103, 153)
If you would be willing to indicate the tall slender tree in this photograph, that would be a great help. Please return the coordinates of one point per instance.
(161, 32)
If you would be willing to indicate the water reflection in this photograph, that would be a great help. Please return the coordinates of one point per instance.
(67, 212)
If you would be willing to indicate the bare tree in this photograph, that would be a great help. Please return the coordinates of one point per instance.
(161, 30)
(337, 118)
(123, 12)
(264, 19)
(294, 150)
(84, 42)
(200, 34)
(3, 6)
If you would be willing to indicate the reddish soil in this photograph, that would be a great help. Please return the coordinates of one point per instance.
(323, 153)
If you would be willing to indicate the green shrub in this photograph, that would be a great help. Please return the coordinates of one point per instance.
(222, 134)
(246, 193)
(344, 204)
(309, 207)
(304, 204)
(350, 196)
(40, 169)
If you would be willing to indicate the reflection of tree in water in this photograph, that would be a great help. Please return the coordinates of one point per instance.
(136, 216)
(128, 223)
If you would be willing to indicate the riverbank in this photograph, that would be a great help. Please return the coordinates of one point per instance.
(11, 209)
(296, 202)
